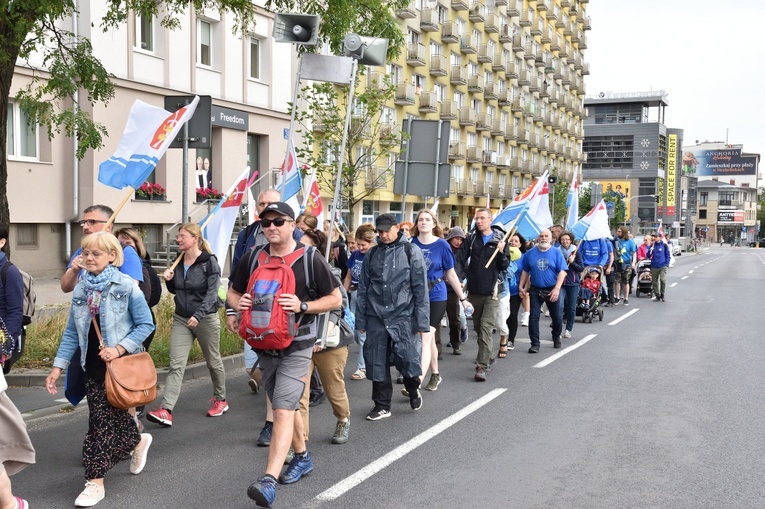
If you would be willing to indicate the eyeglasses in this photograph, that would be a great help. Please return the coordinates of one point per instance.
(94, 254)
(278, 222)
(91, 222)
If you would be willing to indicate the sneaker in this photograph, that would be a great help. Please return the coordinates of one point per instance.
(404, 392)
(567, 334)
(511, 344)
(655, 299)
(457, 351)
(415, 400)
(463, 335)
(289, 456)
(254, 387)
(662, 298)
(218, 408)
(626, 302)
(91, 495)
(556, 342)
(617, 301)
(341, 432)
(377, 414)
(21, 503)
(400, 379)
(534, 349)
(161, 416)
(480, 374)
(264, 440)
(525, 319)
(263, 491)
(138, 456)
(318, 400)
(434, 382)
(300, 465)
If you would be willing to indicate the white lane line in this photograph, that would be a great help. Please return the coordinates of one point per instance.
(563, 352)
(685, 277)
(624, 316)
(696, 267)
(62, 400)
(402, 450)
(673, 285)
(690, 272)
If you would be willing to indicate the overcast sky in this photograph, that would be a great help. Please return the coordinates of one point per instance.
(709, 56)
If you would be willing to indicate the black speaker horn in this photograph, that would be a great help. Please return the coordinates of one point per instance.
(296, 28)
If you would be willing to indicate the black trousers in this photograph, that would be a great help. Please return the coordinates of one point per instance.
(382, 392)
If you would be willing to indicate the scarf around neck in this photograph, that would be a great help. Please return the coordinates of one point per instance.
(567, 252)
(95, 284)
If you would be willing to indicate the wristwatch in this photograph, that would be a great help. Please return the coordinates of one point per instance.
(303, 307)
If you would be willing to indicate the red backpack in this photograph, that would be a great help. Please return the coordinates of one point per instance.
(266, 325)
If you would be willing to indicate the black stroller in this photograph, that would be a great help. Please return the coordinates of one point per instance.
(590, 295)
(644, 281)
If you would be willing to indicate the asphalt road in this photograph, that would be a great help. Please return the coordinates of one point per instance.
(660, 405)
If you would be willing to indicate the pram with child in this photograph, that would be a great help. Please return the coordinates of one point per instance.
(644, 281)
(590, 296)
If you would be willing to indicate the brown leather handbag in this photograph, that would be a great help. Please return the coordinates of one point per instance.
(131, 380)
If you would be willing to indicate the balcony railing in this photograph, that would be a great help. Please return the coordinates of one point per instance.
(449, 110)
(450, 32)
(377, 177)
(404, 94)
(415, 55)
(429, 20)
(439, 65)
(467, 116)
(456, 150)
(458, 75)
(428, 102)
(408, 12)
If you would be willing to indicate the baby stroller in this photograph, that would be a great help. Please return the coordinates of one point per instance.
(644, 281)
(590, 295)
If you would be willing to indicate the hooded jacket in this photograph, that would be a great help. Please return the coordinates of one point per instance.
(196, 291)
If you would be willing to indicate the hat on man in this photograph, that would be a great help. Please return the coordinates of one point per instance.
(456, 233)
(280, 208)
(653, 234)
(384, 222)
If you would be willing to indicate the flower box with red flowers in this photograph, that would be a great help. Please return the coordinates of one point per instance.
(208, 193)
(149, 191)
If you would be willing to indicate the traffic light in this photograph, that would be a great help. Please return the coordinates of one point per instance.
(552, 179)
(656, 198)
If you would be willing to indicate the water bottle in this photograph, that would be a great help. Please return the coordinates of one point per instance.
(468, 311)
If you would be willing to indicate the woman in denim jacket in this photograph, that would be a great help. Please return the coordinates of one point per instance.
(108, 300)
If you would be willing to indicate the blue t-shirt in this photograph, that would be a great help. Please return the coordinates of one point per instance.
(626, 249)
(544, 267)
(514, 275)
(354, 266)
(131, 265)
(438, 259)
(594, 252)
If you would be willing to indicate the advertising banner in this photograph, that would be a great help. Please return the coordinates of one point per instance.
(660, 192)
(730, 216)
(713, 163)
(671, 174)
(618, 189)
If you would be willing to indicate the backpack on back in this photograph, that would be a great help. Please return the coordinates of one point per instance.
(266, 325)
(156, 284)
(30, 297)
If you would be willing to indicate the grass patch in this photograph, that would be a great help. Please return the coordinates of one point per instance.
(44, 335)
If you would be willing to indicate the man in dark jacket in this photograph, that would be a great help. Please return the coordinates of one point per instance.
(393, 308)
(457, 324)
(482, 283)
(11, 295)
(659, 254)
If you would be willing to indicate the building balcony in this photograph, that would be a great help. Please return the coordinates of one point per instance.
(553, 14)
(483, 122)
(533, 84)
(485, 54)
(319, 127)
(546, 35)
(514, 8)
(555, 42)
(585, 69)
(460, 5)
(449, 110)
(450, 32)
(504, 97)
(415, 55)
(544, 90)
(456, 150)
(500, 3)
(583, 41)
(428, 102)
(477, 12)
(502, 161)
(517, 43)
(360, 128)
(474, 154)
(523, 78)
(489, 158)
(497, 127)
(537, 26)
(511, 132)
(378, 80)
(543, 5)
(468, 44)
(527, 166)
(429, 20)
(467, 116)
(491, 26)
(506, 33)
(565, 50)
(530, 52)
(377, 177)
(490, 91)
(439, 65)
(511, 69)
(458, 75)
(517, 105)
(527, 18)
(408, 12)
(566, 25)
(404, 95)
(475, 83)
(586, 23)
(390, 134)
(533, 141)
(498, 65)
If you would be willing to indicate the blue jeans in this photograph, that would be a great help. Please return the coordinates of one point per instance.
(535, 302)
(358, 336)
(568, 296)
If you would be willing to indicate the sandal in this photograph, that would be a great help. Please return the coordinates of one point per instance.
(360, 374)
(502, 350)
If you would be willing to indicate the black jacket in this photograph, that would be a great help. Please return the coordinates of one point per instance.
(196, 292)
(471, 260)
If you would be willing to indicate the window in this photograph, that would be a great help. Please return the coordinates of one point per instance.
(254, 58)
(394, 72)
(703, 214)
(144, 32)
(457, 172)
(703, 198)
(23, 139)
(440, 91)
(26, 236)
(204, 43)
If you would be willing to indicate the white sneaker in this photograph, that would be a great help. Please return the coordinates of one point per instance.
(525, 320)
(567, 334)
(91, 495)
(138, 456)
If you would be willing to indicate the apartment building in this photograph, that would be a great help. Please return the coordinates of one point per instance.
(508, 75)
(249, 79)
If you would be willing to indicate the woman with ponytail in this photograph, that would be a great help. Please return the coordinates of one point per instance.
(195, 285)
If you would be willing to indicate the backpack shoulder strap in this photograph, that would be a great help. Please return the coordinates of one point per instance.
(4, 270)
(256, 260)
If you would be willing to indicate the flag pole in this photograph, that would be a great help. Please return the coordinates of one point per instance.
(125, 198)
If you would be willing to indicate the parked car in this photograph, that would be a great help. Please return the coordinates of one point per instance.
(676, 250)
(754, 244)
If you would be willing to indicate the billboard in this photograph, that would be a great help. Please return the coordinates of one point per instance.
(671, 174)
(730, 216)
(618, 189)
(713, 163)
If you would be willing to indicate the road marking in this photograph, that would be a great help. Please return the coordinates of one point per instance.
(685, 277)
(402, 450)
(62, 400)
(563, 352)
(673, 285)
(696, 267)
(690, 272)
(624, 316)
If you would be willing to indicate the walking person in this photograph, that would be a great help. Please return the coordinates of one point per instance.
(439, 260)
(365, 239)
(625, 263)
(105, 304)
(659, 254)
(454, 309)
(285, 371)
(195, 286)
(482, 282)
(516, 250)
(11, 300)
(392, 307)
(544, 271)
(570, 288)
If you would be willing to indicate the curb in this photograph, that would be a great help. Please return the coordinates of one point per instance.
(36, 378)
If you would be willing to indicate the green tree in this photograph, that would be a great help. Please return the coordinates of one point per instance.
(620, 210)
(585, 196)
(369, 143)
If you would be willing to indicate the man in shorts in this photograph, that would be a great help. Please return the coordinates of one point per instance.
(625, 263)
(284, 371)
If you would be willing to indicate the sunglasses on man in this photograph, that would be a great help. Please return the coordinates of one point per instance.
(278, 222)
